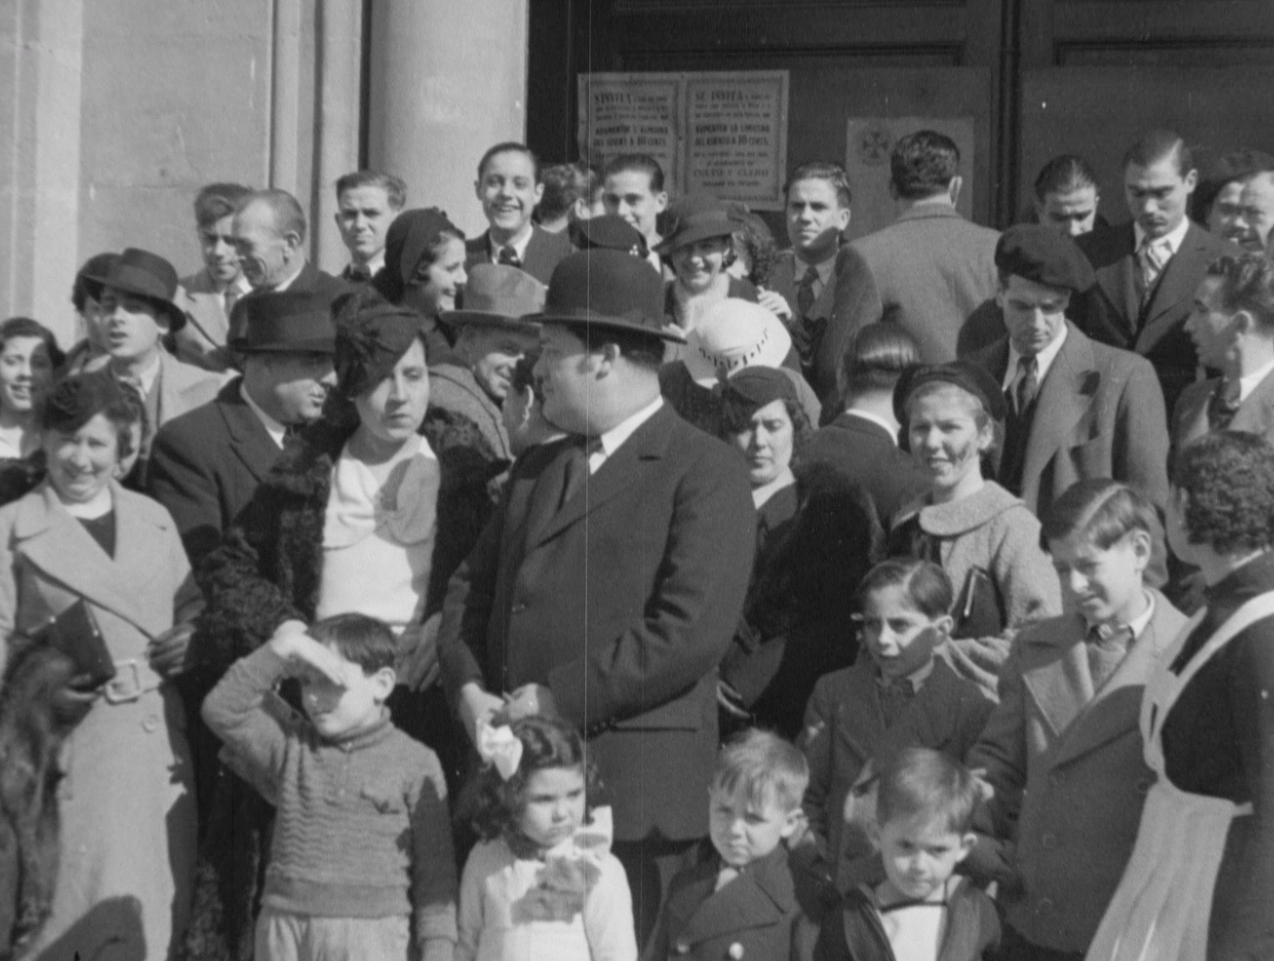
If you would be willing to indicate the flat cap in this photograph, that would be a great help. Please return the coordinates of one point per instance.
(1045, 256)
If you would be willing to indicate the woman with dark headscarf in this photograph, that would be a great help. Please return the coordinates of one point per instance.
(126, 845)
(424, 270)
(811, 552)
(362, 515)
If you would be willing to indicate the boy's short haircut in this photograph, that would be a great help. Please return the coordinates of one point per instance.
(923, 164)
(878, 355)
(927, 585)
(360, 639)
(395, 189)
(1158, 145)
(929, 785)
(834, 174)
(216, 201)
(1102, 510)
(563, 185)
(637, 163)
(764, 766)
(509, 146)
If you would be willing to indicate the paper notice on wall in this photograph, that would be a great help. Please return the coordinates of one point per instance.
(723, 133)
(869, 143)
(632, 113)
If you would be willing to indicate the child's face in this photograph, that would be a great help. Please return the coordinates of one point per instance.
(899, 638)
(920, 854)
(554, 805)
(1102, 586)
(743, 832)
(508, 191)
(337, 710)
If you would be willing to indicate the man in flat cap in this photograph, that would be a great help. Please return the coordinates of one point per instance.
(609, 583)
(1077, 409)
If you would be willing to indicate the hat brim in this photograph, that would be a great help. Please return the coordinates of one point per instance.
(588, 318)
(693, 235)
(316, 346)
(484, 318)
(176, 316)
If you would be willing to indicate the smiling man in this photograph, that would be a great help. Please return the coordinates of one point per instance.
(633, 188)
(1077, 409)
(367, 203)
(1147, 270)
(509, 187)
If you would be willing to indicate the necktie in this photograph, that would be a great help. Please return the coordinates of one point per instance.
(895, 697)
(1107, 647)
(575, 469)
(1152, 256)
(1027, 384)
(805, 292)
(510, 257)
(1222, 405)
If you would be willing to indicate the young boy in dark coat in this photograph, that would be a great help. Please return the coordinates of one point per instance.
(739, 901)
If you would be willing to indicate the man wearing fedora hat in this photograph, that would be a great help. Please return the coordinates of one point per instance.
(206, 464)
(491, 337)
(608, 585)
(138, 311)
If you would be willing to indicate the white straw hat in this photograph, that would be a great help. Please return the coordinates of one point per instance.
(732, 335)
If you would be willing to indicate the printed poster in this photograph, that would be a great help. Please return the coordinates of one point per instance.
(869, 142)
(723, 133)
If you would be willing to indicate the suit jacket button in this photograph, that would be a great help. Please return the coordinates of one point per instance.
(1048, 841)
(518, 608)
(682, 947)
(151, 724)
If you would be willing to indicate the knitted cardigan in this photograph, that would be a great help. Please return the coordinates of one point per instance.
(267, 571)
(995, 533)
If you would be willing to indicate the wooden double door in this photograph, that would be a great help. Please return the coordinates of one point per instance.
(1033, 78)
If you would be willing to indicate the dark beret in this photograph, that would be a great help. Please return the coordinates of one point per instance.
(371, 336)
(412, 234)
(1044, 256)
(754, 387)
(74, 401)
(967, 376)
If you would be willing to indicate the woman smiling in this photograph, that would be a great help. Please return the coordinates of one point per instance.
(28, 356)
(985, 539)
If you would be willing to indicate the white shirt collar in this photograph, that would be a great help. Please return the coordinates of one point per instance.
(148, 377)
(272, 426)
(615, 437)
(1248, 383)
(519, 245)
(1044, 359)
(1172, 239)
(875, 419)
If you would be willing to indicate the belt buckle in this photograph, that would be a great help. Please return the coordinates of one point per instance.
(126, 685)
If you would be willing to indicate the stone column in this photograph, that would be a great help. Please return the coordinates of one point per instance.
(448, 80)
(339, 44)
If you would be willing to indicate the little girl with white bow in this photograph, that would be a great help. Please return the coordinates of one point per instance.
(542, 885)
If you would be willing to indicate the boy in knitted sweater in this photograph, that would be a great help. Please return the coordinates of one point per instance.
(361, 864)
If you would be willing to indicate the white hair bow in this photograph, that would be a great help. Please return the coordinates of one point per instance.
(499, 746)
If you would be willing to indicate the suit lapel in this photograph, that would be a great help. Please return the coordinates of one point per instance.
(619, 473)
(751, 900)
(249, 439)
(1060, 685)
(1064, 398)
(1180, 278)
(58, 545)
(1118, 279)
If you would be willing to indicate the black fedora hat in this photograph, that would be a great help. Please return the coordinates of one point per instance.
(143, 274)
(291, 321)
(609, 289)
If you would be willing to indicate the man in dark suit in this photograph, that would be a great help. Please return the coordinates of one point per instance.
(817, 215)
(509, 187)
(611, 579)
(1077, 409)
(206, 464)
(1232, 326)
(269, 231)
(929, 269)
(367, 202)
(1147, 270)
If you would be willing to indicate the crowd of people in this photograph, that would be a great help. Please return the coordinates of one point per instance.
(615, 584)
